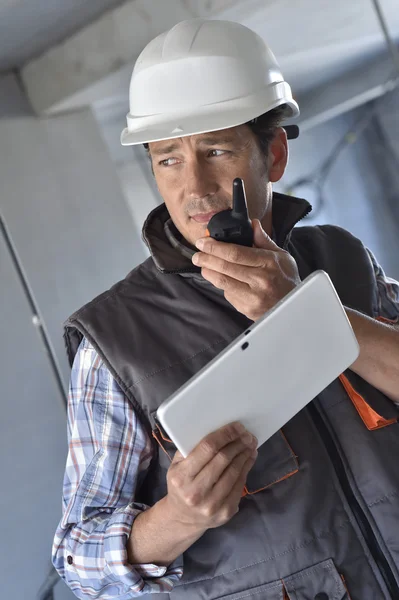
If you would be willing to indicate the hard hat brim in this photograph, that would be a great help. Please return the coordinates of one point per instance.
(208, 118)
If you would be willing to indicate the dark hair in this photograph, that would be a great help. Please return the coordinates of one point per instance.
(264, 126)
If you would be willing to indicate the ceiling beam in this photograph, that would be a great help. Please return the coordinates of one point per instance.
(346, 93)
(93, 68)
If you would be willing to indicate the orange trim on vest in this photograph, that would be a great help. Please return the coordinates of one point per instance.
(346, 587)
(290, 447)
(154, 435)
(388, 321)
(285, 595)
(370, 418)
(165, 439)
(246, 492)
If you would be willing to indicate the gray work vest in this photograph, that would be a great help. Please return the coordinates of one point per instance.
(322, 502)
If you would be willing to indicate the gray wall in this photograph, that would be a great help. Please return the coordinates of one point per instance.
(138, 185)
(70, 224)
(133, 170)
(13, 103)
(33, 444)
(354, 191)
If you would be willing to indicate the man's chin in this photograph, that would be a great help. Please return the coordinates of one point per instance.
(199, 232)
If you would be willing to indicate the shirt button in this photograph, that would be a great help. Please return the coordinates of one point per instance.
(70, 562)
(321, 596)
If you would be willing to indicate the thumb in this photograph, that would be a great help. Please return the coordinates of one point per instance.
(261, 238)
(178, 457)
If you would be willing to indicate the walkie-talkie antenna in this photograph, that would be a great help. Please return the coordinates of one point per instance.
(239, 199)
(233, 224)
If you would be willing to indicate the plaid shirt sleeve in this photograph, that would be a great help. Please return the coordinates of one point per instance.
(109, 454)
(388, 292)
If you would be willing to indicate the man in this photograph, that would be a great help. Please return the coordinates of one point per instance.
(319, 516)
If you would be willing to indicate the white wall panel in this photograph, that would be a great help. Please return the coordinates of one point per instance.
(32, 444)
(65, 210)
(353, 191)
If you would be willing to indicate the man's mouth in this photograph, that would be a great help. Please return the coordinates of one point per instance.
(204, 217)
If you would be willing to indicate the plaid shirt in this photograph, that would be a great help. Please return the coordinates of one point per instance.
(109, 454)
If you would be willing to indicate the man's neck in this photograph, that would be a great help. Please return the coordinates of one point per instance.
(267, 221)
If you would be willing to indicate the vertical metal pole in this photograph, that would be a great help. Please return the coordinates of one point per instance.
(36, 320)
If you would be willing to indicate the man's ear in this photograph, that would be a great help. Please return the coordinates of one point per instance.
(278, 155)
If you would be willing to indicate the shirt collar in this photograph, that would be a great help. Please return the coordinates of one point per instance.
(172, 254)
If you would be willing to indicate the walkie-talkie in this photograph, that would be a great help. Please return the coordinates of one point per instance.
(233, 225)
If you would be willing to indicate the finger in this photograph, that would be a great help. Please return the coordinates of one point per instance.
(207, 449)
(224, 282)
(243, 273)
(238, 488)
(249, 303)
(246, 300)
(261, 238)
(240, 255)
(178, 457)
(213, 471)
(233, 480)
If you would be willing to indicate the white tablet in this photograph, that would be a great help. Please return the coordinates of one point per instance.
(270, 372)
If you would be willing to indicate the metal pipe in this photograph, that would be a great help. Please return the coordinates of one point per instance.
(389, 41)
(36, 320)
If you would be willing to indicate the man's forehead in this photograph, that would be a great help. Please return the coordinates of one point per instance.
(230, 135)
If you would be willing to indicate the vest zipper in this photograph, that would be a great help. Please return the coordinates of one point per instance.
(361, 518)
(178, 271)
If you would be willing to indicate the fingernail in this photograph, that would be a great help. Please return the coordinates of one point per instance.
(247, 438)
(239, 428)
(200, 244)
(195, 258)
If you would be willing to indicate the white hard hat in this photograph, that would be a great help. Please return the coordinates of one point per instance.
(202, 75)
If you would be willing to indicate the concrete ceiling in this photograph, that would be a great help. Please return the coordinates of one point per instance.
(313, 39)
(30, 27)
(333, 53)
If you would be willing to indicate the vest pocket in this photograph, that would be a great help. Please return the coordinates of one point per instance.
(319, 582)
(268, 591)
(276, 462)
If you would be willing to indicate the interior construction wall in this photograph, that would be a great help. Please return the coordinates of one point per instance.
(355, 190)
(74, 236)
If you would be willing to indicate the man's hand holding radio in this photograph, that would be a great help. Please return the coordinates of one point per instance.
(253, 279)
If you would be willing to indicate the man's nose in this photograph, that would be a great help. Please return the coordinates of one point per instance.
(199, 184)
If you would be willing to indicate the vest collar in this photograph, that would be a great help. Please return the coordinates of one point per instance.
(171, 254)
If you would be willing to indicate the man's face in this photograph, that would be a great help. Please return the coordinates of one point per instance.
(195, 174)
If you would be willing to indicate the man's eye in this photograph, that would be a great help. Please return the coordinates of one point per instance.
(222, 151)
(163, 163)
(166, 162)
